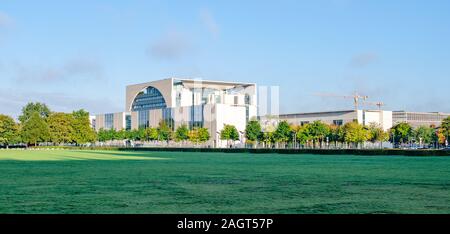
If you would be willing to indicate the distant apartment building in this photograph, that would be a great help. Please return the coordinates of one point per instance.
(416, 119)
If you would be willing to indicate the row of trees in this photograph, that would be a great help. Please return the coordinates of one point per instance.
(38, 124)
(353, 133)
(161, 133)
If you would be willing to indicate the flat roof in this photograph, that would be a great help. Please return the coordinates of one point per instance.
(315, 113)
(213, 81)
(206, 82)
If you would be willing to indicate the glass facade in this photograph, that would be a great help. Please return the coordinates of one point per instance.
(143, 119)
(128, 122)
(109, 121)
(167, 116)
(150, 99)
(197, 116)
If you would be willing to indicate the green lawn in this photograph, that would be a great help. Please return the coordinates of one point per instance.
(57, 181)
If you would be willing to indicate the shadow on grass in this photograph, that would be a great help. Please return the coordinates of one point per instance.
(79, 155)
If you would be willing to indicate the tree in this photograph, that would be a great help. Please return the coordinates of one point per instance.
(60, 127)
(253, 131)
(229, 133)
(151, 134)
(283, 132)
(377, 134)
(302, 134)
(445, 128)
(267, 138)
(318, 130)
(424, 134)
(336, 133)
(199, 135)
(35, 129)
(164, 131)
(82, 131)
(102, 135)
(439, 137)
(32, 107)
(401, 133)
(9, 131)
(182, 133)
(355, 133)
(203, 135)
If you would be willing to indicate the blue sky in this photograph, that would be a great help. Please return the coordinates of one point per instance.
(82, 54)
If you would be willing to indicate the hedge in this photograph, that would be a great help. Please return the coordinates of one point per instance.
(302, 151)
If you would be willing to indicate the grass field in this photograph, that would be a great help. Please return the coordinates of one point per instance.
(57, 181)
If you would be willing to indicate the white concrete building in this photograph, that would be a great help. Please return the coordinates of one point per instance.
(196, 103)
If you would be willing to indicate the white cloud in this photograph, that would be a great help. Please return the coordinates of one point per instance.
(209, 22)
(79, 68)
(171, 46)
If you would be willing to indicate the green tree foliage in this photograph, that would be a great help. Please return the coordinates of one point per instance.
(253, 131)
(199, 135)
(164, 131)
(32, 107)
(336, 133)
(401, 133)
(318, 130)
(9, 131)
(424, 133)
(376, 133)
(60, 127)
(267, 138)
(151, 134)
(355, 133)
(35, 129)
(135, 134)
(102, 135)
(82, 131)
(229, 132)
(283, 132)
(203, 135)
(445, 128)
(303, 135)
(182, 133)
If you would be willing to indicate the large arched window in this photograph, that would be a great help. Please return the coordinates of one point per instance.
(149, 99)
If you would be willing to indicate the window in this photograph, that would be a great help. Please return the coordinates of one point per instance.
(168, 117)
(143, 119)
(247, 99)
(128, 122)
(236, 100)
(338, 122)
(109, 121)
(149, 100)
(197, 116)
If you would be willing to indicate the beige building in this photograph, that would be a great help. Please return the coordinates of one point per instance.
(365, 117)
(416, 119)
(117, 121)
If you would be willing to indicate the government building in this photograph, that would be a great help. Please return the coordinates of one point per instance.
(195, 103)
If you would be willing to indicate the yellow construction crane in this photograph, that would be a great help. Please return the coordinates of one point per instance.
(356, 98)
(378, 104)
